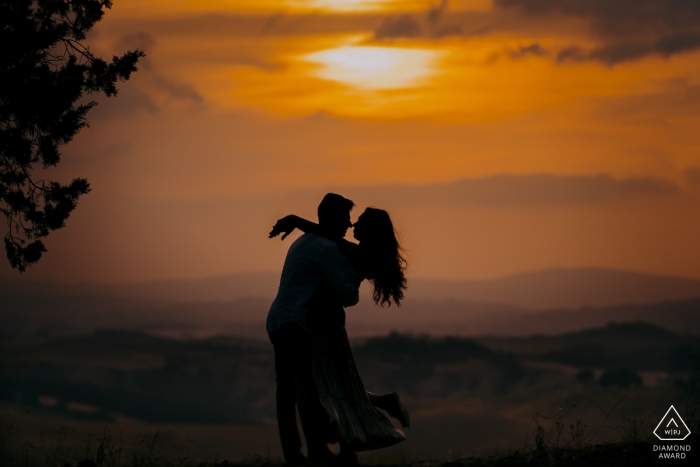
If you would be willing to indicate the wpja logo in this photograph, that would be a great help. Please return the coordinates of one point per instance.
(672, 428)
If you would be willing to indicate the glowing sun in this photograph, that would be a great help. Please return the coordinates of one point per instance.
(373, 67)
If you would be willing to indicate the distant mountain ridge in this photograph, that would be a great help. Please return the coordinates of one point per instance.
(81, 315)
(546, 302)
(618, 335)
(566, 288)
(549, 289)
(636, 345)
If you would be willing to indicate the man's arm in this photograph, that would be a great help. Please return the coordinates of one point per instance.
(331, 263)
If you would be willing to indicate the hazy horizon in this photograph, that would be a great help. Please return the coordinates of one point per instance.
(545, 302)
(29, 278)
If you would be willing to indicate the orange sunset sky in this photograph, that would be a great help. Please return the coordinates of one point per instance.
(503, 136)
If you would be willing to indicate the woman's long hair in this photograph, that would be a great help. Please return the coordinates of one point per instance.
(388, 262)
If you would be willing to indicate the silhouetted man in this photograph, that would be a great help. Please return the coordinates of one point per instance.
(311, 261)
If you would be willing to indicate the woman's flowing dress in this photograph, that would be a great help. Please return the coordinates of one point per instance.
(352, 419)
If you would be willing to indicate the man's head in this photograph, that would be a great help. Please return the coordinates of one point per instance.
(334, 214)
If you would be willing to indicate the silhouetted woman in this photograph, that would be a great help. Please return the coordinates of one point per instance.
(354, 420)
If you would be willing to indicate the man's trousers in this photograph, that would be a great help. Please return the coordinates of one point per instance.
(295, 387)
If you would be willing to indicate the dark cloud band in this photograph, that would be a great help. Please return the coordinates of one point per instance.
(628, 29)
(513, 190)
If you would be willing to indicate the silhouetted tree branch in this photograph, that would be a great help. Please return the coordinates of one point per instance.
(45, 70)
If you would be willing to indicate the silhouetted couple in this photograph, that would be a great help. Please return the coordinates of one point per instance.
(314, 366)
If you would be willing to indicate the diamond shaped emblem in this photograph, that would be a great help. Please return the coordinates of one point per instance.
(672, 427)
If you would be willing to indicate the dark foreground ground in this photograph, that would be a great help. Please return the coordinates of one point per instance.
(124, 398)
(609, 454)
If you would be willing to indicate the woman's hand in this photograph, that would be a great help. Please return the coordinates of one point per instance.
(285, 225)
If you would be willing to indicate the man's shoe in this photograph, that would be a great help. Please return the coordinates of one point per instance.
(324, 459)
(348, 457)
(296, 459)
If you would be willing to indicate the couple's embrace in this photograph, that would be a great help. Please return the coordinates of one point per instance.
(314, 366)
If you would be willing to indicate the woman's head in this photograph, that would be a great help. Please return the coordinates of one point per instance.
(375, 231)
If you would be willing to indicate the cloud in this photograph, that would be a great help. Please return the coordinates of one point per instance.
(619, 18)
(147, 92)
(609, 54)
(692, 176)
(518, 190)
(398, 26)
(628, 29)
(138, 40)
(272, 22)
(179, 91)
(436, 11)
(676, 43)
(453, 30)
(435, 15)
(407, 26)
(149, 87)
(619, 52)
(532, 49)
(129, 100)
